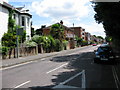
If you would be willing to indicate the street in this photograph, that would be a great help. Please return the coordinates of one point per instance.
(66, 70)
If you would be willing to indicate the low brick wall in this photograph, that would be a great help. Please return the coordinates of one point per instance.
(23, 51)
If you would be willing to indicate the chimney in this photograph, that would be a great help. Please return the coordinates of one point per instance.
(61, 22)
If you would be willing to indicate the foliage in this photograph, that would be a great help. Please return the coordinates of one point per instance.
(59, 46)
(9, 40)
(32, 32)
(79, 40)
(37, 39)
(52, 43)
(40, 31)
(108, 39)
(108, 14)
(57, 32)
(84, 43)
(65, 43)
(100, 37)
(0, 49)
(4, 50)
(30, 43)
(11, 22)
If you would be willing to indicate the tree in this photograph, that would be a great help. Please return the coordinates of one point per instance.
(32, 32)
(40, 31)
(9, 38)
(100, 37)
(79, 40)
(108, 14)
(57, 32)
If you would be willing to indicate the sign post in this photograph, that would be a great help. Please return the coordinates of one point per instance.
(19, 31)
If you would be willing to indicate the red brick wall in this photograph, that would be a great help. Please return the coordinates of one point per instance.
(46, 31)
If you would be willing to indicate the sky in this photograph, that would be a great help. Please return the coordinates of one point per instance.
(48, 12)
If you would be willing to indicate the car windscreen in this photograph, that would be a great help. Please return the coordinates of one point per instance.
(104, 49)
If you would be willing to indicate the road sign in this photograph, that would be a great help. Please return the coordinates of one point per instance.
(20, 31)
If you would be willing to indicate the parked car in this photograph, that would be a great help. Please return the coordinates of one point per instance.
(94, 44)
(104, 53)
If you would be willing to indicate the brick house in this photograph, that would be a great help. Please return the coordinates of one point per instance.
(68, 33)
(88, 37)
(79, 31)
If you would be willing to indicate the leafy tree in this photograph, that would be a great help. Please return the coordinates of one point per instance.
(100, 37)
(59, 46)
(57, 32)
(108, 13)
(79, 40)
(40, 31)
(52, 43)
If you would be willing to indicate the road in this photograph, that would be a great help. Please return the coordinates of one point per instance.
(66, 70)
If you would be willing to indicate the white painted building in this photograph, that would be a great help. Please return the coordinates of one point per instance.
(21, 16)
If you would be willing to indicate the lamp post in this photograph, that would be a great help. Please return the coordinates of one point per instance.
(74, 35)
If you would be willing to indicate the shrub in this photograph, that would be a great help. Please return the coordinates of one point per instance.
(84, 43)
(65, 43)
(4, 50)
(30, 43)
(59, 45)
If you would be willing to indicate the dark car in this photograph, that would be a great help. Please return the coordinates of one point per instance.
(104, 53)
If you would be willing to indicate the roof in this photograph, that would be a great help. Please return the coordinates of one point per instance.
(7, 5)
(60, 24)
(19, 9)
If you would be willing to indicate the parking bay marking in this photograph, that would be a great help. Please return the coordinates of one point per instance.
(61, 85)
(117, 82)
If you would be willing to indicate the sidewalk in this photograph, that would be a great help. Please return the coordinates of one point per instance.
(14, 61)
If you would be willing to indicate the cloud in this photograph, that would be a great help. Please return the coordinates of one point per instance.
(64, 9)
(5, 0)
(94, 29)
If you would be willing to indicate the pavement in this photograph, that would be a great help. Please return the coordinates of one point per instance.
(14, 61)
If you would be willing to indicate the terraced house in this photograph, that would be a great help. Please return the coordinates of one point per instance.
(21, 16)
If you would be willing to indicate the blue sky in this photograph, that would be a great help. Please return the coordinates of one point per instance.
(48, 12)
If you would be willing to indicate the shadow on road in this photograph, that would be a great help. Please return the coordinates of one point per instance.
(77, 63)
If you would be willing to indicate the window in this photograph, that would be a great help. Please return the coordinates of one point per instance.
(14, 16)
(23, 21)
(28, 20)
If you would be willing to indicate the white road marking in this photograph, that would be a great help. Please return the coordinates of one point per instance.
(22, 84)
(56, 68)
(115, 77)
(71, 78)
(61, 85)
(16, 65)
(42, 59)
(64, 86)
(83, 79)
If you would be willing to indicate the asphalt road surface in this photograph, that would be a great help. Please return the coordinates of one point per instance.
(66, 70)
